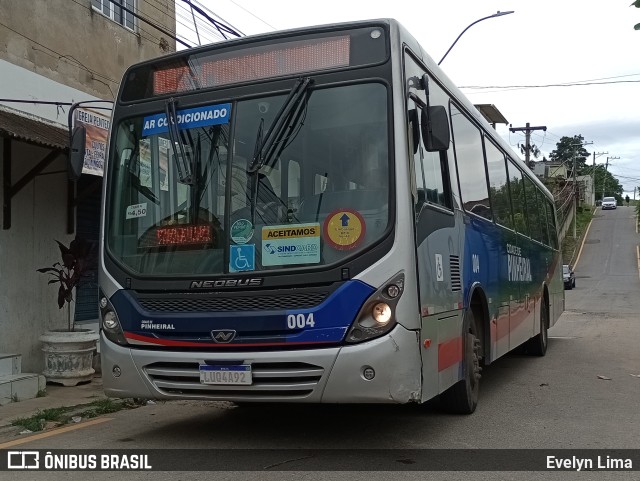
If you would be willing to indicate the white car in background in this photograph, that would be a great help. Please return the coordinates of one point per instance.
(609, 203)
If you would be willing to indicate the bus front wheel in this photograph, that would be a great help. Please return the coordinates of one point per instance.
(462, 397)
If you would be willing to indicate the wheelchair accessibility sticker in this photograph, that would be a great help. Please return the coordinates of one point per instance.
(243, 258)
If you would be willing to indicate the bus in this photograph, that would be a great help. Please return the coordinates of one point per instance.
(316, 215)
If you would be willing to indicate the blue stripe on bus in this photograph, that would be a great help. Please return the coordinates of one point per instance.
(326, 322)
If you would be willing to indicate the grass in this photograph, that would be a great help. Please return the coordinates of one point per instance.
(64, 415)
(571, 245)
(38, 420)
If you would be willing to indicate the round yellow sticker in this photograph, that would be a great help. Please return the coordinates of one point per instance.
(344, 229)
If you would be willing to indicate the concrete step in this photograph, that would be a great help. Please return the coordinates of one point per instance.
(10, 364)
(18, 387)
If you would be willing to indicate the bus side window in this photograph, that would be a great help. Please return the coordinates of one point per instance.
(469, 154)
(498, 185)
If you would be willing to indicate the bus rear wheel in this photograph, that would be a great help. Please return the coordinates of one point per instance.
(462, 397)
(537, 346)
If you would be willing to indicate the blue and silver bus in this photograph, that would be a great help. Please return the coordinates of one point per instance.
(316, 215)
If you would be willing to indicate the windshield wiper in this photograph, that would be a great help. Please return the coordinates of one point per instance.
(284, 122)
(183, 163)
(282, 129)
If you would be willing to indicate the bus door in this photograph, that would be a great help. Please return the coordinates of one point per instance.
(438, 244)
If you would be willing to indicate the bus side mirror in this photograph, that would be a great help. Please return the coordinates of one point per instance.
(76, 153)
(435, 128)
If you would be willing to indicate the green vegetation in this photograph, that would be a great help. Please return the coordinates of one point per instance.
(571, 245)
(64, 415)
(38, 420)
(570, 150)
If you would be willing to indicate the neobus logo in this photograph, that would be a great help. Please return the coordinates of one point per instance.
(255, 282)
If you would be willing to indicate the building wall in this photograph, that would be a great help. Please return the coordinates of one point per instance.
(587, 193)
(71, 43)
(28, 305)
(54, 50)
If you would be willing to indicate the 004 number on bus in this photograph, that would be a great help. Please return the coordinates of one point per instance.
(300, 321)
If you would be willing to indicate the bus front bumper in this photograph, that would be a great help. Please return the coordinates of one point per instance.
(384, 370)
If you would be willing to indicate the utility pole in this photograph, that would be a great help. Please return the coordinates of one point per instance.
(593, 174)
(576, 190)
(527, 135)
(606, 169)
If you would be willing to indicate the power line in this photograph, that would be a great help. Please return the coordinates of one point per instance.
(524, 87)
(65, 58)
(185, 21)
(61, 56)
(149, 22)
(253, 15)
(150, 37)
(220, 26)
(218, 17)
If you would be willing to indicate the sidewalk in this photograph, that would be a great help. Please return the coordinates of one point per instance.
(57, 396)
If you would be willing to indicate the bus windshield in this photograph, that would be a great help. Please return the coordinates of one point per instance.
(323, 196)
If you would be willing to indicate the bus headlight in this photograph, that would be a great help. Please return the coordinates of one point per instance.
(377, 315)
(109, 322)
(382, 313)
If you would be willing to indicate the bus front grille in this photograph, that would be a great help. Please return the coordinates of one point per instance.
(281, 380)
(214, 303)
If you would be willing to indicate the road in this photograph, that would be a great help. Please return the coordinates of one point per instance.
(558, 401)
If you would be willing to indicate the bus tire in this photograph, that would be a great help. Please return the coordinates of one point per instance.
(462, 397)
(537, 345)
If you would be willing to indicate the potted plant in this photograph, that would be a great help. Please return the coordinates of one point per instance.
(69, 352)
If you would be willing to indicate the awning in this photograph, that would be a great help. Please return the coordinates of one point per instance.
(33, 131)
(492, 114)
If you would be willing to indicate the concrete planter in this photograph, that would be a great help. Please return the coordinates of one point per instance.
(68, 356)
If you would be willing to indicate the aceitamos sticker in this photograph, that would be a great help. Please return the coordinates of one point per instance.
(291, 244)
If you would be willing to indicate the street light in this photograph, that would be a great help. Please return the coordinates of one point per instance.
(497, 14)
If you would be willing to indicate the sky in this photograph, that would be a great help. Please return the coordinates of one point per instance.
(542, 43)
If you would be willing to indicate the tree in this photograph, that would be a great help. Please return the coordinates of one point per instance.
(606, 183)
(636, 4)
(568, 148)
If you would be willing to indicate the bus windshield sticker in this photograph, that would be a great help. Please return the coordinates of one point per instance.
(136, 210)
(242, 258)
(291, 244)
(188, 119)
(241, 231)
(344, 229)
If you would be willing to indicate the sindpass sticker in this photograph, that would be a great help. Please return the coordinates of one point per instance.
(291, 244)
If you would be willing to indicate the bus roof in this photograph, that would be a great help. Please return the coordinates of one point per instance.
(399, 37)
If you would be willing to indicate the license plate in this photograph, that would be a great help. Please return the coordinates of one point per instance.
(226, 375)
